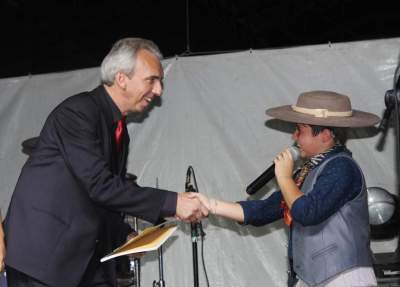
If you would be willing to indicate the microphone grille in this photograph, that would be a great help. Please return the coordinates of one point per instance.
(295, 151)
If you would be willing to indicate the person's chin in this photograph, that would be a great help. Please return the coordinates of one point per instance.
(141, 108)
(145, 107)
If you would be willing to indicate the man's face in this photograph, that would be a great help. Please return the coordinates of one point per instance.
(308, 143)
(145, 83)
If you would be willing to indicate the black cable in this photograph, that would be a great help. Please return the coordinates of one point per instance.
(396, 88)
(202, 261)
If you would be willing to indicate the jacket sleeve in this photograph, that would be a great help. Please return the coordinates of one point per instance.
(75, 132)
(262, 212)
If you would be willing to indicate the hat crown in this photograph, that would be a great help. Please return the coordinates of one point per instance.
(330, 101)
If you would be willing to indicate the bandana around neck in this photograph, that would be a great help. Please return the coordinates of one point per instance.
(303, 172)
(315, 160)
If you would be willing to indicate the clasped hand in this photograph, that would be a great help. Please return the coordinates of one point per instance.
(191, 207)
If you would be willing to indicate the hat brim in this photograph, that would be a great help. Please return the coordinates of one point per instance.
(358, 118)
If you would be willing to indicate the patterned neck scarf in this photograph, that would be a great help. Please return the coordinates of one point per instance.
(301, 175)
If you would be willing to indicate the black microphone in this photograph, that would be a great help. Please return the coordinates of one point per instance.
(269, 174)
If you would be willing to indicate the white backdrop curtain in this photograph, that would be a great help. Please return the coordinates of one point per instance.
(212, 117)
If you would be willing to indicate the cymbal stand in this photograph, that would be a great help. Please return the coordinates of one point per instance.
(135, 263)
(160, 282)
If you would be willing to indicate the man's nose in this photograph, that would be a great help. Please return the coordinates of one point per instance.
(158, 88)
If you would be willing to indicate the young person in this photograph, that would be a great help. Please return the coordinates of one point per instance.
(324, 203)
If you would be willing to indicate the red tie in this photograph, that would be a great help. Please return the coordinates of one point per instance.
(119, 133)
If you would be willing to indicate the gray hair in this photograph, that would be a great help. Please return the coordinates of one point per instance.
(122, 57)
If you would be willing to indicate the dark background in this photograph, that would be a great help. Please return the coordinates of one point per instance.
(48, 36)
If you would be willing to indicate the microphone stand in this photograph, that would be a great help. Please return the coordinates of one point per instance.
(391, 261)
(392, 101)
(396, 88)
(136, 261)
(195, 235)
(160, 282)
(196, 229)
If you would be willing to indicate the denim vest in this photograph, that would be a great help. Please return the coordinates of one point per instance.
(339, 243)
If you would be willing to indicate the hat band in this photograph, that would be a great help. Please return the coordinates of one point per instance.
(321, 113)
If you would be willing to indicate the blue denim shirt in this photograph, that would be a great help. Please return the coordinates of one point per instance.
(339, 183)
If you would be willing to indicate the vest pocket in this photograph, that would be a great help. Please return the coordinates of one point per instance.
(328, 249)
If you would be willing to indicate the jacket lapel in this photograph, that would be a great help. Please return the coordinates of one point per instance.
(99, 96)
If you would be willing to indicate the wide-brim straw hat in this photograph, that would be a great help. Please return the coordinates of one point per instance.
(323, 108)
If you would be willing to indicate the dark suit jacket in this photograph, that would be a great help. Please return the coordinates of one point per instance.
(71, 191)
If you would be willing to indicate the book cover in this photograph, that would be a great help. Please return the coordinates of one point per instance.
(149, 239)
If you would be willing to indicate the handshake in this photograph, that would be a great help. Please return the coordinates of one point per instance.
(193, 206)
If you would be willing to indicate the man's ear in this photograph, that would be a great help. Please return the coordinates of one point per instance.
(120, 80)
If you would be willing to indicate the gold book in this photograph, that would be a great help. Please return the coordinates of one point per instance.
(148, 240)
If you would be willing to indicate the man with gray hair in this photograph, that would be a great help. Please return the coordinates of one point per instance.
(66, 210)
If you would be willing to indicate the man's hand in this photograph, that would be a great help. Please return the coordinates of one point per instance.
(189, 208)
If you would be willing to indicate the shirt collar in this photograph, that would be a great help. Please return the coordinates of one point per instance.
(319, 158)
(116, 113)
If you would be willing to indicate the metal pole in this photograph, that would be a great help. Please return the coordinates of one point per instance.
(194, 252)
(160, 282)
(136, 260)
(191, 186)
(187, 28)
